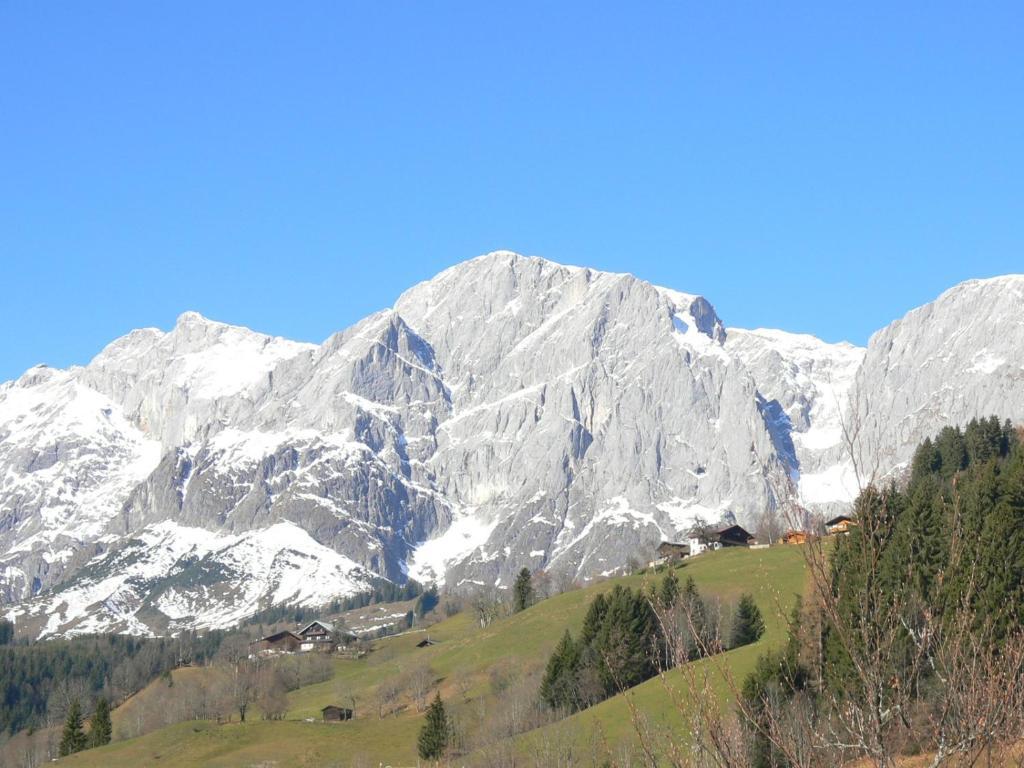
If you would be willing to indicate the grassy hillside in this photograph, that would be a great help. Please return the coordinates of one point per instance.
(461, 665)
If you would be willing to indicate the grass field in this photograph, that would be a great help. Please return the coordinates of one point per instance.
(462, 658)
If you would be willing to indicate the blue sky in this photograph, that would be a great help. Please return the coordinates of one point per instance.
(293, 167)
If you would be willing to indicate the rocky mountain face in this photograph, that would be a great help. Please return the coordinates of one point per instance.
(959, 357)
(510, 412)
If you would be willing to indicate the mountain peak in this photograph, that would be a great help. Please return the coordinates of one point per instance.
(191, 317)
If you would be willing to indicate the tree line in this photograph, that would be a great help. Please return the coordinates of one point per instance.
(911, 640)
(40, 680)
(629, 636)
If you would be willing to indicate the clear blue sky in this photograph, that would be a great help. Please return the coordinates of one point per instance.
(817, 167)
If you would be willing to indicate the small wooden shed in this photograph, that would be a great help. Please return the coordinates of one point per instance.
(335, 714)
(794, 537)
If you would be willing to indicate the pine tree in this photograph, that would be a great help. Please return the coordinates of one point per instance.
(669, 592)
(427, 602)
(436, 732)
(696, 621)
(627, 643)
(99, 727)
(523, 590)
(747, 624)
(557, 688)
(593, 620)
(73, 738)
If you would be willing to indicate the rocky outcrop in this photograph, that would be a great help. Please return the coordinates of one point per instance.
(509, 412)
(957, 358)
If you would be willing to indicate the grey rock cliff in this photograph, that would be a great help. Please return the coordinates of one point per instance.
(509, 412)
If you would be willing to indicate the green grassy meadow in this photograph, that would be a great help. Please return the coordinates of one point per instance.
(461, 662)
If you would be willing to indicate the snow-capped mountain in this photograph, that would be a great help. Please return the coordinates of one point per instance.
(509, 412)
(805, 384)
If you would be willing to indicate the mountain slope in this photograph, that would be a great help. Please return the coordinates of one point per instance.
(805, 384)
(464, 661)
(959, 357)
(509, 412)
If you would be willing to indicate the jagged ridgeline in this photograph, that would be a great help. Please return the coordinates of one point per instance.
(509, 413)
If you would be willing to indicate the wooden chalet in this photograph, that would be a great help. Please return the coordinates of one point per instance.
(794, 537)
(279, 642)
(671, 550)
(840, 524)
(317, 636)
(333, 714)
(734, 536)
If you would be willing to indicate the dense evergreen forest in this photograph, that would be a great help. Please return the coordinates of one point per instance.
(382, 592)
(41, 680)
(628, 636)
(912, 638)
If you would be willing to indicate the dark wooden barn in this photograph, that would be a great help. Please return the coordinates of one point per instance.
(279, 642)
(734, 536)
(317, 635)
(334, 714)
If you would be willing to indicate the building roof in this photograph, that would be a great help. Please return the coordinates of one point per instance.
(839, 519)
(278, 636)
(326, 625)
(738, 528)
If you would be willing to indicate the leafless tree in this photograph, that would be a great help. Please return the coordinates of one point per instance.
(273, 695)
(543, 585)
(386, 696)
(565, 582)
(66, 690)
(486, 607)
(419, 682)
(242, 686)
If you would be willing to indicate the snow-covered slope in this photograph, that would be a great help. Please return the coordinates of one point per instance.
(68, 460)
(169, 577)
(509, 412)
(806, 383)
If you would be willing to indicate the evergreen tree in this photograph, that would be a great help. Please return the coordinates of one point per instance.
(558, 686)
(435, 733)
(952, 451)
(593, 620)
(627, 643)
(99, 727)
(747, 625)
(696, 620)
(426, 602)
(73, 738)
(522, 591)
(669, 592)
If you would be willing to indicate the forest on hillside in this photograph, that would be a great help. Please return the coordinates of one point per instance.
(911, 639)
